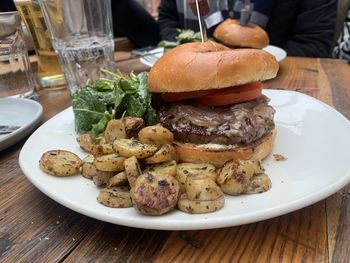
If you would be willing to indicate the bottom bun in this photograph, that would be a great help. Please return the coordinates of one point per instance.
(218, 155)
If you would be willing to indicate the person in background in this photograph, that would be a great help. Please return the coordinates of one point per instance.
(342, 48)
(130, 19)
(7, 6)
(302, 28)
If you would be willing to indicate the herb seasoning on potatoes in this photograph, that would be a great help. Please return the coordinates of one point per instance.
(141, 169)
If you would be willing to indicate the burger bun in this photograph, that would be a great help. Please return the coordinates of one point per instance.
(209, 65)
(231, 33)
(218, 155)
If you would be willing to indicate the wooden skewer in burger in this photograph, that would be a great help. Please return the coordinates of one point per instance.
(214, 103)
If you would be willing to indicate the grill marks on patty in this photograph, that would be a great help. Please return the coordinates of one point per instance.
(240, 123)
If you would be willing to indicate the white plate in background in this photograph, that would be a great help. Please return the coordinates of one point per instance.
(278, 52)
(313, 136)
(156, 53)
(25, 113)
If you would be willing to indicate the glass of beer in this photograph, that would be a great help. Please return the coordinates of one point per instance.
(49, 70)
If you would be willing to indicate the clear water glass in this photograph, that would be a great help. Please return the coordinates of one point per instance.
(82, 36)
(16, 77)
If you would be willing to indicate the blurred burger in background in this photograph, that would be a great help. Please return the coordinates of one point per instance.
(232, 34)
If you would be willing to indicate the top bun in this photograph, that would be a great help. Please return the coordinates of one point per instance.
(209, 65)
(231, 33)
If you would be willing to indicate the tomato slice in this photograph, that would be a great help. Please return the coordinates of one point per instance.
(176, 96)
(232, 95)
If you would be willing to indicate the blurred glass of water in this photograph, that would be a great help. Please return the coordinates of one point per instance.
(82, 36)
(16, 77)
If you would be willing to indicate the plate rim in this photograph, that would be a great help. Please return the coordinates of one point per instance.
(211, 223)
(20, 133)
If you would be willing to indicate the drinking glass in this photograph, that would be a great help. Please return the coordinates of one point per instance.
(16, 77)
(49, 73)
(82, 35)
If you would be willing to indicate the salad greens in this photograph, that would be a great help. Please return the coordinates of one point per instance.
(184, 36)
(96, 104)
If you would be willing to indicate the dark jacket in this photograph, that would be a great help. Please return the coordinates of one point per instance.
(130, 19)
(302, 27)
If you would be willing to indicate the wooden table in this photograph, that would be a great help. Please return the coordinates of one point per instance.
(34, 228)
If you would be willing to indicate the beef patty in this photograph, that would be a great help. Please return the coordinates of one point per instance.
(240, 123)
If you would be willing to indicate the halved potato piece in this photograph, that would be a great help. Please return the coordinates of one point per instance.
(118, 197)
(132, 169)
(60, 163)
(102, 148)
(132, 147)
(88, 169)
(168, 168)
(165, 153)
(87, 141)
(202, 188)
(236, 175)
(102, 178)
(120, 179)
(258, 184)
(155, 194)
(156, 134)
(115, 129)
(199, 207)
(109, 163)
(133, 125)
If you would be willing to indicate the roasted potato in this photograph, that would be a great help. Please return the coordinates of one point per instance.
(258, 184)
(168, 168)
(199, 207)
(118, 197)
(87, 141)
(115, 129)
(88, 169)
(132, 169)
(156, 134)
(202, 188)
(236, 175)
(155, 194)
(165, 153)
(60, 163)
(102, 178)
(133, 125)
(132, 147)
(102, 148)
(185, 169)
(109, 163)
(119, 179)
(206, 169)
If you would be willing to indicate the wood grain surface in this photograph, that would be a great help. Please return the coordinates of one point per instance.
(34, 228)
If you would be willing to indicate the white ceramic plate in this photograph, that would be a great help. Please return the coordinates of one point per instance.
(313, 136)
(151, 59)
(18, 112)
(278, 52)
(156, 53)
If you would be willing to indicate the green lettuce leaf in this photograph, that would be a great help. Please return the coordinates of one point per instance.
(100, 127)
(88, 107)
(94, 105)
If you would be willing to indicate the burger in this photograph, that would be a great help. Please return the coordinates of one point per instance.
(213, 101)
(232, 34)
